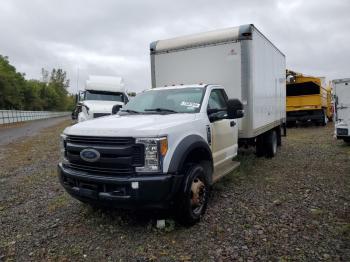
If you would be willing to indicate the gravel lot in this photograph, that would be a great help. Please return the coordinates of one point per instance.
(293, 207)
(12, 132)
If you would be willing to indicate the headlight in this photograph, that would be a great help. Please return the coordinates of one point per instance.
(155, 150)
(63, 144)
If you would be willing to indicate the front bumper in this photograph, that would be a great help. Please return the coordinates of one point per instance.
(130, 192)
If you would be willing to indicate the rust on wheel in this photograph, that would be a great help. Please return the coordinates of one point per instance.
(197, 194)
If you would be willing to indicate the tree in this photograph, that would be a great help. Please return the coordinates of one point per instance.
(12, 84)
(51, 93)
(59, 83)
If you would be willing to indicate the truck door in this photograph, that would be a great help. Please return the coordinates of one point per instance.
(343, 102)
(224, 132)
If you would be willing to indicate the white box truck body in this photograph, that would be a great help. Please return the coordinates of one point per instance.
(341, 90)
(241, 59)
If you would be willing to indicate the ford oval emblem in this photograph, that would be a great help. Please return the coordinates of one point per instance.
(90, 155)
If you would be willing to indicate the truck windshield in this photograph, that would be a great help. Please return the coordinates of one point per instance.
(180, 100)
(104, 96)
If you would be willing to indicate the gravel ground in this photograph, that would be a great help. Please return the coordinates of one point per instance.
(295, 206)
(12, 132)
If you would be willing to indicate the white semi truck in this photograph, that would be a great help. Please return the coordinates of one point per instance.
(101, 94)
(169, 144)
(341, 91)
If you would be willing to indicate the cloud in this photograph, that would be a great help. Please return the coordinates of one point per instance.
(112, 37)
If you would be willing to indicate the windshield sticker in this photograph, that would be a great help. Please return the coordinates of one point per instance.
(190, 104)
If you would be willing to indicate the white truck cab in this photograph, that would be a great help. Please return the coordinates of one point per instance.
(101, 94)
(341, 90)
(165, 147)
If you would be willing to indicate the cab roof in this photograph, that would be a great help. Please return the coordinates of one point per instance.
(182, 86)
(211, 37)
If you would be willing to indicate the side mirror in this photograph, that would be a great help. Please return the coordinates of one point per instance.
(74, 116)
(216, 114)
(115, 109)
(234, 109)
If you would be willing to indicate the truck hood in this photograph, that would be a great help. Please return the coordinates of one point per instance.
(97, 106)
(130, 125)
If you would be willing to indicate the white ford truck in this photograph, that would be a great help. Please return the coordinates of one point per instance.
(101, 95)
(341, 91)
(168, 145)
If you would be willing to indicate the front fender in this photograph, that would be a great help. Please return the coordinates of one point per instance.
(183, 150)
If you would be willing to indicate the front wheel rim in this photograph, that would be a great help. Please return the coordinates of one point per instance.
(198, 195)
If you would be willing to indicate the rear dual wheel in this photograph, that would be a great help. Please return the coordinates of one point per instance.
(271, 143)
(266, 144)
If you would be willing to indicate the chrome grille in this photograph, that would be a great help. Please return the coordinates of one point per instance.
(118, 155)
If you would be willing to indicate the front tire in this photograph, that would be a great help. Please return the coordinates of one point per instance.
(194, 197)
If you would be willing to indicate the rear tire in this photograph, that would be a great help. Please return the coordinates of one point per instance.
(259, 146)
(194, 197)
(271, 143)
(279, 136)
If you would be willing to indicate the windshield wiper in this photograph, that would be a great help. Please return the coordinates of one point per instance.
(159, 109)
(130, 111)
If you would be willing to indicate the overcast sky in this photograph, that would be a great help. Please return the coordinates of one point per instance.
(103, 37)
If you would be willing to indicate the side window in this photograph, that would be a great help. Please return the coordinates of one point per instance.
(217, 99)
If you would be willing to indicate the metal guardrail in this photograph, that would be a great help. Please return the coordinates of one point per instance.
(15, 116)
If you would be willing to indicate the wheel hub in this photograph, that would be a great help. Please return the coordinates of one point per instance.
(197, 190)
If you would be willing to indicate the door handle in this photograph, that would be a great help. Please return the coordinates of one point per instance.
(232, 123)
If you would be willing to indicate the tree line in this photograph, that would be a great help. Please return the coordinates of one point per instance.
(48, 94)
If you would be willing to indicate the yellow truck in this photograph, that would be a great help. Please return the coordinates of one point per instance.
(307, 99)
